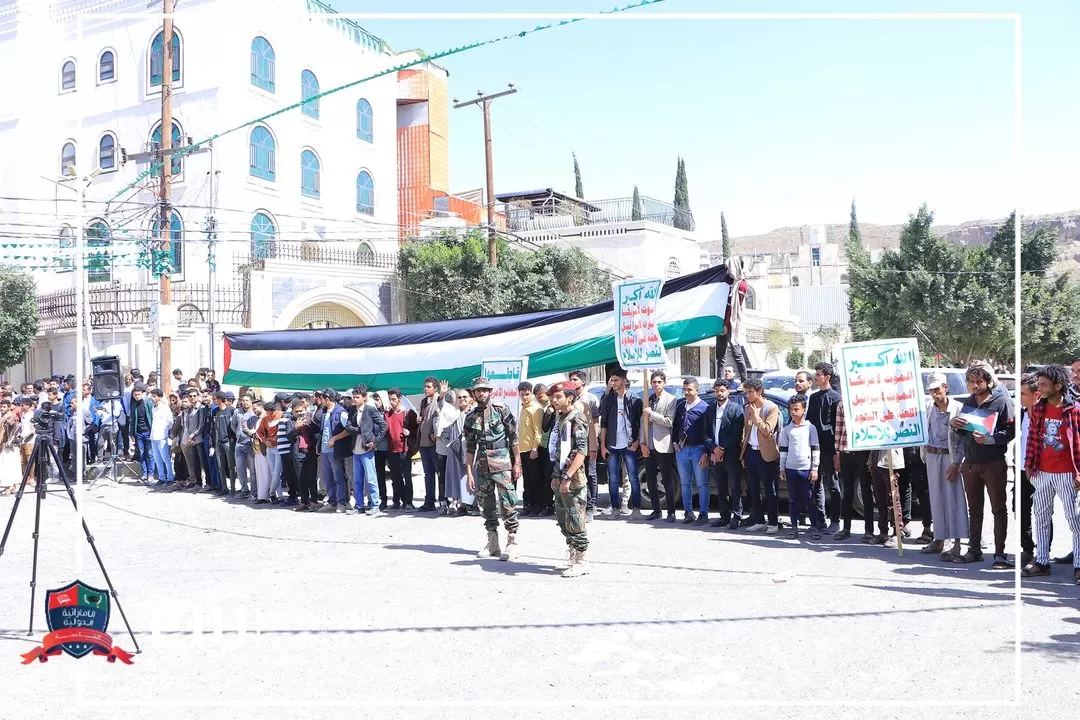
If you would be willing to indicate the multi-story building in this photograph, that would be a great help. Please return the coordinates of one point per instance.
(299, 194)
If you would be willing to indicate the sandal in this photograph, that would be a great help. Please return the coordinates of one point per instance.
(1034, 569)
(1002, 562)
(971, 556)
(936, 546)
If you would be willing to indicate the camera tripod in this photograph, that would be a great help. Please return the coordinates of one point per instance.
(39, 465)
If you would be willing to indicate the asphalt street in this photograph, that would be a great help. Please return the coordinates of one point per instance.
(245, 611)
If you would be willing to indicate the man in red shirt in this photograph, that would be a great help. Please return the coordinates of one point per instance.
(1053, 463)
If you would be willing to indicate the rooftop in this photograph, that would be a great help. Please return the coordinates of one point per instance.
(547, 209)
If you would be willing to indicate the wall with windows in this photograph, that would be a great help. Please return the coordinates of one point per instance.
(325, 175)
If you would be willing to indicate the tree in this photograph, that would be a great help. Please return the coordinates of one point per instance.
(683, 218)
(817, 356)
(448, 276)
(794, 358)
(830, 336)
(725, 240)
(18, 315)
(858, 258)
(635, 206)
(777, 339)
(579, 189)
(956, 300)
(1049, 304)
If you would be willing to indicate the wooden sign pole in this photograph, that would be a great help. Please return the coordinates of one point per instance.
(898, 517)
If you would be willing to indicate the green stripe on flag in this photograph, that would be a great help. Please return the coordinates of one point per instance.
(587, 353)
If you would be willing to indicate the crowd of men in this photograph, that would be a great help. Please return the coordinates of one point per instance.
(330, 452)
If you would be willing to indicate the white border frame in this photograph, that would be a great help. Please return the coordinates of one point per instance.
(1015, 18)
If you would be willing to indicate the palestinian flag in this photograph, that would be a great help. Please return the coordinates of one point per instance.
(690, 308)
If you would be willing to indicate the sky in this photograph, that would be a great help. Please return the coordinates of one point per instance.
(780, 122)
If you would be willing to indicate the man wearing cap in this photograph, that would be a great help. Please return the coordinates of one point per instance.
(944, 454)
(569, 448)
(492, 443)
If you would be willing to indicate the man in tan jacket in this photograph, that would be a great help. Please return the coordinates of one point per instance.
(656, 448)
(761, 457)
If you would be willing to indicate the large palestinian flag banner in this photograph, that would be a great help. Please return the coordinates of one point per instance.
(690, 309)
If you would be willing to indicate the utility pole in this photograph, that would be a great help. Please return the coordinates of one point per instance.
(485, 103)
(164, 205)
(211, 241)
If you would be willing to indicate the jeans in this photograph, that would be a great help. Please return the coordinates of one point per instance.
(146, 454)
(728, 474)
(245, 466)
(827, 495)
(590, 477)
(800, 496)
(763, 476)
(333, 471)
(162, 455)
(364, 478)
(688, 460)
(618, 459)
(275, 471)
(429, 458)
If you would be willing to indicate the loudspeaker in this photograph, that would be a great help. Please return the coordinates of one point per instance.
(108, 382)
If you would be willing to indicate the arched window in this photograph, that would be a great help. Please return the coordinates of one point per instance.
(157, 58)
(107, 153)
(365, 193)
(751, 299)
(365, 253)
(67, 241)
(309, 88)
(176, 244)
(263, 237)
(309, 174)
(67, 159)
(262, 63)
(672, 268)
(364, 129)
(261, 153)
(67, 76)
(177, 135)
(98, 256)
(107, 67)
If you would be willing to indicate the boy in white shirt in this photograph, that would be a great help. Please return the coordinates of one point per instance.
(800, 452)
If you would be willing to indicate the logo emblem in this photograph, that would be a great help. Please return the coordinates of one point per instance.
(78, 618)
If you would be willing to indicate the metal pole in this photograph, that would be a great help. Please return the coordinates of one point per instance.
(165, 371)
(82, 321)
(211, 241)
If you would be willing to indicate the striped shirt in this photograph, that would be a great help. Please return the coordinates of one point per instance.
(284, 447)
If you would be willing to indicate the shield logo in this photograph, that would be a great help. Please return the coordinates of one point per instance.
(77, 606)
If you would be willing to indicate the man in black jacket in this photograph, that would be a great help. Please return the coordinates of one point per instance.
(369, 427)
(620, 427)
(139, 421)
(985, 470)
(723, 426)
(224, 439)
(821, 412)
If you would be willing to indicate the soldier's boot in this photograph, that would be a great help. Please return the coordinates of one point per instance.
(511, 551)
(492, 548)
(570, 554)
(579, 567)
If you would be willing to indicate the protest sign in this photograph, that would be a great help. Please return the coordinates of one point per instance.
(883, 397)
(637, 336)
(505, 374)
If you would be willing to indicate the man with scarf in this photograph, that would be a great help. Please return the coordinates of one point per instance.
(491, 440)
(569, 446)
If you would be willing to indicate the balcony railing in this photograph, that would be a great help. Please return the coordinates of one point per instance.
(119, 305)
(566, 214)
(314, 252)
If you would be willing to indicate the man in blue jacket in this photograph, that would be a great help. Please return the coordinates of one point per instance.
(723, 440)
(368, 427)
(333, 453)
(688, 435)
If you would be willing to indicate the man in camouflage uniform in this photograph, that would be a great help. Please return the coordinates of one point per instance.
(491, 440)
(569, 448)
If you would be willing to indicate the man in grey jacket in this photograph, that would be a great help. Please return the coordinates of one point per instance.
(244, 420)
(191, 438)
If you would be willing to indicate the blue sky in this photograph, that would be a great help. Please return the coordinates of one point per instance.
(781, 122)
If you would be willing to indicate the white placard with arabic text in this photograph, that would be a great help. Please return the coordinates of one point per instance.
(505, 374)
(883, 395)
(637, 335)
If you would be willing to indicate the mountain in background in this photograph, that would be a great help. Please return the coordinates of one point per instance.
(878, 237)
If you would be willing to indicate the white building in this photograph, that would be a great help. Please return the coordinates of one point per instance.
(305, 202)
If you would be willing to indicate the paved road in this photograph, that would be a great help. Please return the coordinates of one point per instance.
(393, 616)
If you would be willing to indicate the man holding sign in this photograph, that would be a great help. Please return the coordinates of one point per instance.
(984, 469)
